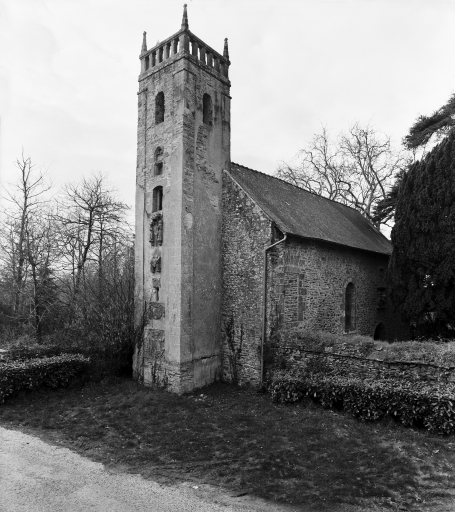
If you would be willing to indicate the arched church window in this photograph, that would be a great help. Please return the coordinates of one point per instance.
(157, 199)
(159, 108)
(207, 113)
(349, 305)
(158, 169)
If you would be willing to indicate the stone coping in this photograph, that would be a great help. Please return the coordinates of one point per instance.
(382, 361)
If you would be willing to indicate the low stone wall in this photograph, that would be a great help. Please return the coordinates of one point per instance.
(300, 359)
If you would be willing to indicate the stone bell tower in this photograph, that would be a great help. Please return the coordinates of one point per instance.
(183, 146)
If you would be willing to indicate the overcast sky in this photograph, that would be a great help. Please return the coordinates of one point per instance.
(69, 69)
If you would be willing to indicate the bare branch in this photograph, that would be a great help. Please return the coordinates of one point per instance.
(356, 169)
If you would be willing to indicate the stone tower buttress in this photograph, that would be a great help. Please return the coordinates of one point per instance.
(183, 146)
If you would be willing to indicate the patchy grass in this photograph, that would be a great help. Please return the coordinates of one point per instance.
(238, 439)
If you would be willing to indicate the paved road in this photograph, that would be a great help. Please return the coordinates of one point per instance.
(38, 477)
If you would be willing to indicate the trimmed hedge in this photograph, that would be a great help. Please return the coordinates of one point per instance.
(423, 404)
(24, 353)
(52, 371)
(102, 358)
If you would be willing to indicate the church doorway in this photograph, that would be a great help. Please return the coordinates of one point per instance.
(380, 332)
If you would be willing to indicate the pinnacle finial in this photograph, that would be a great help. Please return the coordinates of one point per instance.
(144, 42)
(185, 18)
(226, 50)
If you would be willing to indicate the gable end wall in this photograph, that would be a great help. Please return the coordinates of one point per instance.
(246, 230)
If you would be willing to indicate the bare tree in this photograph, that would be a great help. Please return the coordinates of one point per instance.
(43, 255)
(98, 271)
(23, 199)
(90, 218)
(357, 168)
(67, 268)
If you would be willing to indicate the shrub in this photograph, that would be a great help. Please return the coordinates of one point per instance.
(23, 353)
(427, 404)
(321, 341)
(286, 388)
(52, 371)
(106, 359)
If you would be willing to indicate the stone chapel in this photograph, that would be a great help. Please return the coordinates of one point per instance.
(223, 252)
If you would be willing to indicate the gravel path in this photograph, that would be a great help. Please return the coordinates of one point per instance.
(38, 477)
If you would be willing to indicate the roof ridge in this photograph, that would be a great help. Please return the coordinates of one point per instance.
(307, 191)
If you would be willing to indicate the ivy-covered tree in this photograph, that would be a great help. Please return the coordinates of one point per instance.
(422, 266)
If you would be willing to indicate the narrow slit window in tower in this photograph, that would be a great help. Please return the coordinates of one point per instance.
(157, 199)
(158, 162)
(159, 108)
(147, 62)
(349, 304)
(207, 109)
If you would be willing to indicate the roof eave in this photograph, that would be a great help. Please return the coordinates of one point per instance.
(330, 242)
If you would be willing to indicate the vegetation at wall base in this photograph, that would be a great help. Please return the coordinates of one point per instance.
(412, 403)
(314, 458)
(48, 371)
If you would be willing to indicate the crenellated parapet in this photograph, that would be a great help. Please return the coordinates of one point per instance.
(184, 44)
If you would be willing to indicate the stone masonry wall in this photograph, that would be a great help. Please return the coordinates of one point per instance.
(299, 359)
(245, 233)
(307, 286)
(183, 292)
(165, 135)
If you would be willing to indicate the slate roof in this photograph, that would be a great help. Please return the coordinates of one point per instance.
(298, 212)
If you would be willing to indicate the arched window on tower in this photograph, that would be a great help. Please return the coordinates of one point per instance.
(349, 308)
(157, 199)
(158, 169)
(207, 111)
(159, 108)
